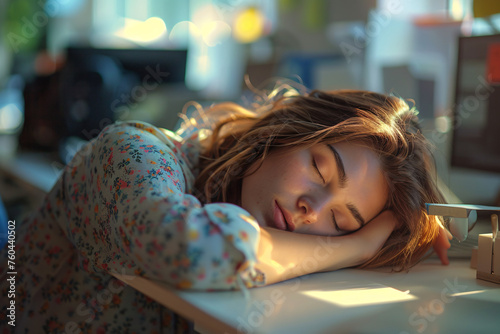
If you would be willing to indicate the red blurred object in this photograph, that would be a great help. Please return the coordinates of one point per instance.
(493, 64)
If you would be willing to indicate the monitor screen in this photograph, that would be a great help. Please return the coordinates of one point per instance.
(171, 64)
(99, 85)
(476, 123)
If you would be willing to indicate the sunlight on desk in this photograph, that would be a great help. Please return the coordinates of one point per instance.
(489, 296)
(371, 295)
(467, 293)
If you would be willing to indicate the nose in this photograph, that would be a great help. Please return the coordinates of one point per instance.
(307, 210)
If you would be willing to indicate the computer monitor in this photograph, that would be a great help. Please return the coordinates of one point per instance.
(92, 89)
(98, 84)
(476, 124)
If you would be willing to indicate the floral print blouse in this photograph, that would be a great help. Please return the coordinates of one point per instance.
(123, 204)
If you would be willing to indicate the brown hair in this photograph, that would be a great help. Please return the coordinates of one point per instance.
(384, 123)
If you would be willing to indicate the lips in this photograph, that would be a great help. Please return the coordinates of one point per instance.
(278, 218)
(282, 219)
(288, 219)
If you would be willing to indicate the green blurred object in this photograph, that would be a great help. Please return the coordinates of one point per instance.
(288, 4)
(315, 14)
(25, 25)
(485, 8)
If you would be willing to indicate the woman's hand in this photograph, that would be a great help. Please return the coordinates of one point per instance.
(442, 244)
(374, 234)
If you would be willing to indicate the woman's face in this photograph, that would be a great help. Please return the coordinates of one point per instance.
(322, 190)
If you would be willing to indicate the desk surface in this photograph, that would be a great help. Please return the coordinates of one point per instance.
(37, 170)
(431, 298)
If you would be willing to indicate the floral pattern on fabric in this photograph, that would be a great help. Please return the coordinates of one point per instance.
(123, 204)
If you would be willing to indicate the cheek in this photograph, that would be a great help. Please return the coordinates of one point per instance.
(253, 187)
(255, 193)
(259, 185)
(278, 175)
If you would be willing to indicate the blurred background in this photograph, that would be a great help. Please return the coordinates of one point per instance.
(68, 68)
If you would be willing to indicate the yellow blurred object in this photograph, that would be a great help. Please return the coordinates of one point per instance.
(485, 8)
(248, 25)
(143, 31)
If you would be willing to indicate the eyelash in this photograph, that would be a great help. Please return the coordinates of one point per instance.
(337, 228)
(335, 223)
(317, 170)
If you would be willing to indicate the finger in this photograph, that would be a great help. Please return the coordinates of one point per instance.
(446, 239)
(443, 239)
(443, 255)
(441, 247)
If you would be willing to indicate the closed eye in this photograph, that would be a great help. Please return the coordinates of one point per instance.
(339, 229)
(317, 170)
(336, 225)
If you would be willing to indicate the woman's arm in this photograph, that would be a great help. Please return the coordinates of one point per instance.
(283, 255)
(126, 210)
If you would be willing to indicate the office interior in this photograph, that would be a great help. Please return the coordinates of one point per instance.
(71, 67)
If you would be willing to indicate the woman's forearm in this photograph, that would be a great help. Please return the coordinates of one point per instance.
(283, 255)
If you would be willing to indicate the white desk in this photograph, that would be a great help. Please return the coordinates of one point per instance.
(35, 170)
(429, 299)
(25, 178)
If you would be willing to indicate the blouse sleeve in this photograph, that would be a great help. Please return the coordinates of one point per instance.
(125, 195)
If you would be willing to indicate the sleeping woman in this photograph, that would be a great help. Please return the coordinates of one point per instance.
(332, 179)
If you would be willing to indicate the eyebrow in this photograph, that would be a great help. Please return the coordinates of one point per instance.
(356, 214)
(343, 183)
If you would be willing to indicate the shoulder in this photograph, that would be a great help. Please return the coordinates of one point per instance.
(139, 138)
(121, 127)
(140, 133)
